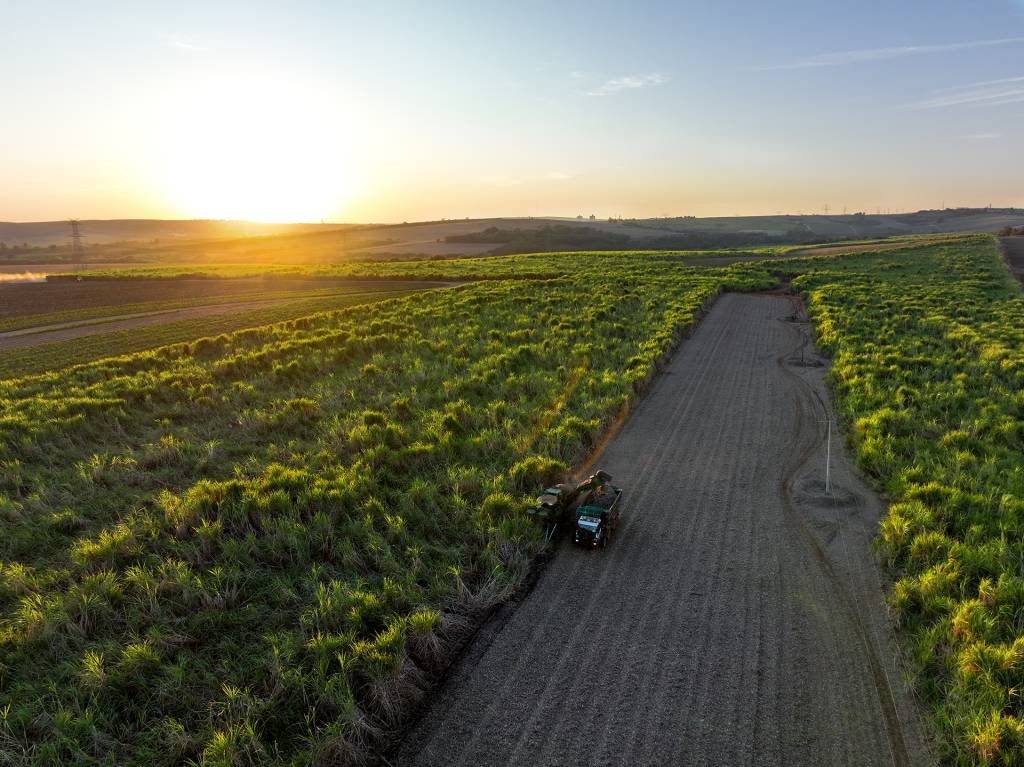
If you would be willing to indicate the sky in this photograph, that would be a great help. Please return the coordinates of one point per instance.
(402, 111)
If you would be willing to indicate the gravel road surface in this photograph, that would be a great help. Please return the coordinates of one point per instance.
(736, 619)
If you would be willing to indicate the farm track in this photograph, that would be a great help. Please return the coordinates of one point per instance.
(33, 330)
(737, 619)
(44, 334)
(36, 298)
(1013, 252)
(36, 336)
(872, 247)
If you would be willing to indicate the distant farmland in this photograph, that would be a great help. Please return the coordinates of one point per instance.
(208, 242)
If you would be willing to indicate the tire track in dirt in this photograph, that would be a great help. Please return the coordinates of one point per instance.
(45, 334)
(564, 592)
(708, 578)
(812, 403)
(562, 691)
(711, 581)
(618, 631)
(737, 616)
(28, 337)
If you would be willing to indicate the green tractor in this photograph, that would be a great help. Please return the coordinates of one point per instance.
(592, 505)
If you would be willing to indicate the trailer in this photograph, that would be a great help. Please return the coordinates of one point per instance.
(597, 519)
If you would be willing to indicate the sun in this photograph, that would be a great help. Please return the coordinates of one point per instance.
(259, 148)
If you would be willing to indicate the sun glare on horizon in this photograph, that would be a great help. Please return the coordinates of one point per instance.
(256, 148)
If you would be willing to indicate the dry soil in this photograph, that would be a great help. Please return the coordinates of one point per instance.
(738, 616)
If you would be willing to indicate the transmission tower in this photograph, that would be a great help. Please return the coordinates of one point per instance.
(76, 239)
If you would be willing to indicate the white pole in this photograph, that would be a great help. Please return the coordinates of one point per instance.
(828, 460)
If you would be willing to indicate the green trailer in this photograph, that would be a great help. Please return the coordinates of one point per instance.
(598, 518)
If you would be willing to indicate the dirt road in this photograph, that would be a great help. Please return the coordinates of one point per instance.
(870, 247)
(737, 619)
(44, 334)
(1013, 251)
(27, 299)
(37, 335)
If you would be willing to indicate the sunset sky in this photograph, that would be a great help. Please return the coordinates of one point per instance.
(395, 111)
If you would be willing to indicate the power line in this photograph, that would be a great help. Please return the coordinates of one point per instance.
(76, 239)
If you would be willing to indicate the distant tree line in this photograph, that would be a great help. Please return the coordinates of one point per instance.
(557, 237)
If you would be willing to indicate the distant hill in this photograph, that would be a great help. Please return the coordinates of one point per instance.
(159, 241)
(852, 226)
(143, 230)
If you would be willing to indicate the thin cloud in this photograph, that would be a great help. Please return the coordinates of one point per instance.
(628, 82)
(103, 188)
(983, 136)
(841, 58)
(185, 43)
(499, 180)
(503, 180)
(983, 83)
(1007, 90)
